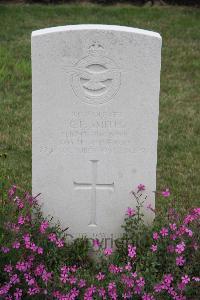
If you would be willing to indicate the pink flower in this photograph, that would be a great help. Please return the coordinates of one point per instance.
(127, 280)
(172, 293)
(33, 291)
(168, 278)
(166, 193)
(140, 282)
(131, 251)
(185, 279)
(189, 232)
(181, 287)
(134, 275)
(89, 292)
(147, 297)
(128, 267)
(197, 279)
(73, 269)
(196, 210)
(158, 288)
(181, 230)
(154, 248)
(73, 294)
(39, 270)
(180, 261)
(180, 248)
(16, 245)
(72, 280)
(29, 279)
(33, 247)
(164, 232)
(100, 276)
(21, 266)
(19, 203)
(130, 212)
(60, 243)
(188, 219)
(40, 250)
(27, 245)
(82, 283)
(46, 276)
(8, 268)
(44, 225)
(12, 191)
(127, 295)
(64, 277)
(57, 295)
(52, 237)
(155, 236)
(114, 269)
(137, 290)
(21, 220)
(4, 289)
(31, 200)
(65, 269)
(5, 249)
(96, 244)
(27, 238)
(112, 292)
(172, 226)
(18, 294)
(102, 292)
(141, 187)
(108, 251)
(14, 279)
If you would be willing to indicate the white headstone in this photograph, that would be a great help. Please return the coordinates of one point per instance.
(95, 123)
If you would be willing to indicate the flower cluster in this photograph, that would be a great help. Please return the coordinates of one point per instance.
(34, 264)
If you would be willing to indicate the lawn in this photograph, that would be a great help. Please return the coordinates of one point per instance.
(179, 121)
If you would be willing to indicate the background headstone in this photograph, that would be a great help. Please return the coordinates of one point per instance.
(95, 123)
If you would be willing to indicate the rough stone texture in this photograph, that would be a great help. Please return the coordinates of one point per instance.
(95, 123)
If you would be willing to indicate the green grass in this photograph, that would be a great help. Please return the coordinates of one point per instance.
(179, 122)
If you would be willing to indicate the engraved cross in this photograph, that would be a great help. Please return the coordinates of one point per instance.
(94, 186)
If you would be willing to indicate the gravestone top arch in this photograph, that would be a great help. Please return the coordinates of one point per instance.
(118, 28)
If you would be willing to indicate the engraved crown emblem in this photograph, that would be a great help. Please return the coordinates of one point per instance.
(95, 48)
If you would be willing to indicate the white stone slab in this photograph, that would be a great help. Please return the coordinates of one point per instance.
(95, 123)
